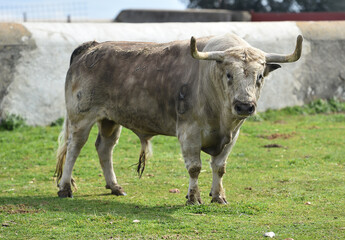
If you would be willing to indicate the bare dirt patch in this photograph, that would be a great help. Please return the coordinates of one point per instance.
(18, 209)
(278, 135)
(273, 146)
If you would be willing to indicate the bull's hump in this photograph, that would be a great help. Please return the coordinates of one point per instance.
(149, 47)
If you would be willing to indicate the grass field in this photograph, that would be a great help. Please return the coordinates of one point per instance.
(286, 174)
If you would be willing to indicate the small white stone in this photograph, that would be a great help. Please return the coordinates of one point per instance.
(269, 234)
(136, 221)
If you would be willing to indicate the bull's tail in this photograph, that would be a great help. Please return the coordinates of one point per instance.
(61, 153)
(145, 153)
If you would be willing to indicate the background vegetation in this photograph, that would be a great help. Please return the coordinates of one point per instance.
(285, 174)
(270, 5)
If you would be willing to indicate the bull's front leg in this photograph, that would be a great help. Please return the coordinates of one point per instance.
(191, 147)
(217, 193)
(218, 164)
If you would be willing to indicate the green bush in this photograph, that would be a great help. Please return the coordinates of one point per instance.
(11, 122)
(57, 122)
(319, 106)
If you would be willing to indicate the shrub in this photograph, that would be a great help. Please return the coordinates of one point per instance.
(316, 107)
(57, 122)
(11, 122)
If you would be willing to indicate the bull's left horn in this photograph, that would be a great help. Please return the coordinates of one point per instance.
(281, 58)
(216, 55)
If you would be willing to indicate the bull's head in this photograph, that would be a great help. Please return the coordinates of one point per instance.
(241, 71)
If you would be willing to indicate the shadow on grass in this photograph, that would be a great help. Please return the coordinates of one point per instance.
(81, 205)
(101, 207)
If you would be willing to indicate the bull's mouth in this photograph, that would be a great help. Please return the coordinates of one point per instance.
(242, 117)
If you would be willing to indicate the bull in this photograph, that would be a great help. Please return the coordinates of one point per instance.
(172, 89)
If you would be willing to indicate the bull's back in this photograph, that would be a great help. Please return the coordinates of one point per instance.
(134, 84)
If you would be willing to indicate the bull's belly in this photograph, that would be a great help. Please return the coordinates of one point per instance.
(147, 122)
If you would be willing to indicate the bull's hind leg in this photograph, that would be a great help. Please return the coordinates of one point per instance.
(78, 135)
(108, 136)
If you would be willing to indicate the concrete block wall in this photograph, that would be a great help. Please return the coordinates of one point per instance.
(34, 59)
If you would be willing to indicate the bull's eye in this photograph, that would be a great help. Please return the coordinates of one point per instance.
(229, 77)
(259, 80)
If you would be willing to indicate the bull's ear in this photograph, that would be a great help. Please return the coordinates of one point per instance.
(270, 67)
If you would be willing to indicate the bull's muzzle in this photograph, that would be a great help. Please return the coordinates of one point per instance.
(244, 109)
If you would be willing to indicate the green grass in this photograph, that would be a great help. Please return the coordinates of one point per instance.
(267, 188)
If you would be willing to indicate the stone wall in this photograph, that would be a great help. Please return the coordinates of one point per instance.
(34, 59)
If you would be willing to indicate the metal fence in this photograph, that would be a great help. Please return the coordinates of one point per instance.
(50, 11)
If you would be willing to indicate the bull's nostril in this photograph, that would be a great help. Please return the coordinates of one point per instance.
(251, 109)
(238, 109)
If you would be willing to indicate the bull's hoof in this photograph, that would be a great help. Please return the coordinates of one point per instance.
(116, 190)
(194, 200)
(219, 199)
(65, 193)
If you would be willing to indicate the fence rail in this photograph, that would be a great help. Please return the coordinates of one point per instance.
(53, 11)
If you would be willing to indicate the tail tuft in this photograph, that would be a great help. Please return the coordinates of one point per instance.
(146, 152)
(61, 153)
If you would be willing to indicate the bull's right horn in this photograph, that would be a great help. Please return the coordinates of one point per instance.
(216, 55)
(280, 58)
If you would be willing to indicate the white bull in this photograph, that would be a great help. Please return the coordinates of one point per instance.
(163, 89)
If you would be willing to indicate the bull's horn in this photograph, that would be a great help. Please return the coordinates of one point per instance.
(280, 58)
(216, 55)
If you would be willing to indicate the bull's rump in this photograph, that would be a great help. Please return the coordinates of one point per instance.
(134, 84)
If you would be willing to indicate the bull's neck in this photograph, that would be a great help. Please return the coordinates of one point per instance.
(210, 96)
